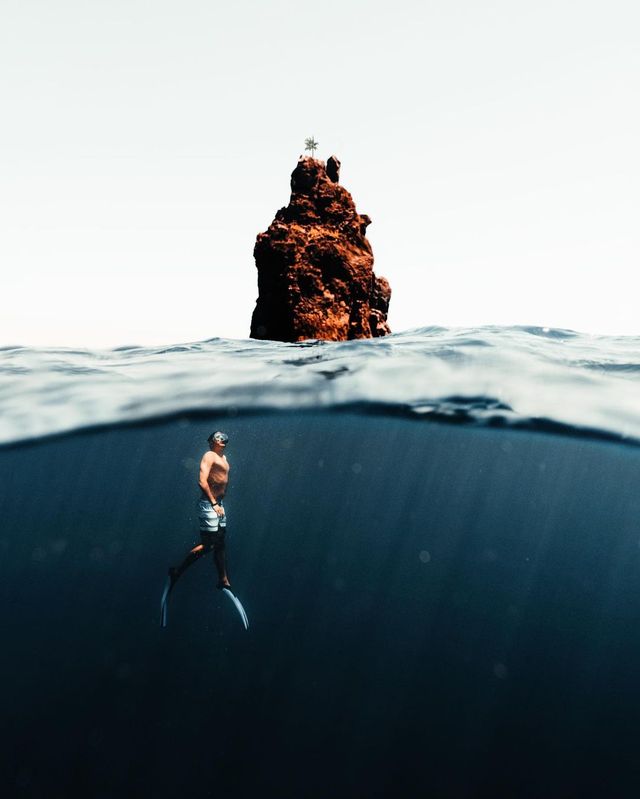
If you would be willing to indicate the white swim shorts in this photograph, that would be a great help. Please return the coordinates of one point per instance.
(208, 518)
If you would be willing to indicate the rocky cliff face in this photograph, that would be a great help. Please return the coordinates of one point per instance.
(315, 265)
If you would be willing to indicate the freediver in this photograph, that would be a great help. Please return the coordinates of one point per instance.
(213, 481)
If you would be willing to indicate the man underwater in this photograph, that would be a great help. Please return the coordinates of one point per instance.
(213, 481)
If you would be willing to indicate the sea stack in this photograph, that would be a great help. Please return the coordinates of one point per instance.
(315, 265)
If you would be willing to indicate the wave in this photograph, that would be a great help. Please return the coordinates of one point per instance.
(537, 378)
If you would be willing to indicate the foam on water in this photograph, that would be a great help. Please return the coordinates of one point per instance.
(515, 376)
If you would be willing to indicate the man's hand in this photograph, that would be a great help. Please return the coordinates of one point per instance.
(218, 509)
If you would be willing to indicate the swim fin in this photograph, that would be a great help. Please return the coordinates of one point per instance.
(238, 605)
(163, 603)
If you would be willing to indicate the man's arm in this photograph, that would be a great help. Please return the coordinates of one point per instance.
(203, 482)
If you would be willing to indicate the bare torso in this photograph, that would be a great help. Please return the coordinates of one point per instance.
(215, 469)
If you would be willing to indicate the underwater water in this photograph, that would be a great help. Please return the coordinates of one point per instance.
(439, 555)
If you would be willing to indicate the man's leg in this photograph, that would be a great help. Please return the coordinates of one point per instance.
(209, 526)
(192, 556)
(219, 557)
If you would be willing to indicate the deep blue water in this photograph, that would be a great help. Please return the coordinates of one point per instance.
(446, 610)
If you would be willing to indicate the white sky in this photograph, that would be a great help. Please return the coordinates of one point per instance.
(145, 143)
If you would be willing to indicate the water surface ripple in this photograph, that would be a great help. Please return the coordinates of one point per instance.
(490, 375)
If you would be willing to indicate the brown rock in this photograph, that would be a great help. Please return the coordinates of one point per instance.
(315, 265)
(333, 169)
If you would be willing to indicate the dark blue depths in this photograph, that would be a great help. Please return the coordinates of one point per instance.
(434, 611)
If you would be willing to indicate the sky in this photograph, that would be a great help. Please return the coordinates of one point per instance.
(145, 143)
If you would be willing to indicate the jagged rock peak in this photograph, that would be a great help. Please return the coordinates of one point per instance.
(333, 169)
(315, 265)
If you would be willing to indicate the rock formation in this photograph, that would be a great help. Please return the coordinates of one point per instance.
(315, 265)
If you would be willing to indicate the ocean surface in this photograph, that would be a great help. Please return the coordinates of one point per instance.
(435, 535)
